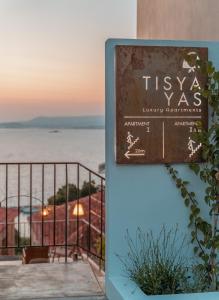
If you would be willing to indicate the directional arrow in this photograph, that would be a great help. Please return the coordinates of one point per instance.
(128, 154)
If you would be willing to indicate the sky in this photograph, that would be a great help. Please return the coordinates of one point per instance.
(52, 54)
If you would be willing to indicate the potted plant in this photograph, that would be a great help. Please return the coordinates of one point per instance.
(158, 265)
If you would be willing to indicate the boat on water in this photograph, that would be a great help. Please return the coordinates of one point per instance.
(54, 131)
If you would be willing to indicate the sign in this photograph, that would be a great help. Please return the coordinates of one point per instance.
(158, 104)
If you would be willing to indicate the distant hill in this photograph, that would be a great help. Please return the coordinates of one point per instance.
(76, 122)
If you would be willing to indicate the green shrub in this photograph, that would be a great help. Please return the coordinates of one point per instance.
(23, 241)
(73, 192)
(99, 251)
(98, 246)
(158, 264)
(60, 197)
(88, 187)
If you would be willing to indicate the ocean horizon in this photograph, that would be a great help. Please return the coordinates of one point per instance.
(40, 145)
(86, 146)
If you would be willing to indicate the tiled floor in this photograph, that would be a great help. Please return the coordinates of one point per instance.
(49, 281)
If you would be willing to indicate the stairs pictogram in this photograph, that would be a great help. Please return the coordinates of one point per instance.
(132, 144)
(195, 150)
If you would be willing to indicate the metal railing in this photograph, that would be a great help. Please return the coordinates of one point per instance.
(37, 201)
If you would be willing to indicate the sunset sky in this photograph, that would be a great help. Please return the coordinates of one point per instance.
(52, 54)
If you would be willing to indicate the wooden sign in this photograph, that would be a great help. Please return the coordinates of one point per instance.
(158, 104)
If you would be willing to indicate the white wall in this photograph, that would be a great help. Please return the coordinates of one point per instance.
(178, 19)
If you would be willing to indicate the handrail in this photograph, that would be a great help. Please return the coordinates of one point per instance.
(40, 163)
(95, 211)
(86, 168)
(52, 163)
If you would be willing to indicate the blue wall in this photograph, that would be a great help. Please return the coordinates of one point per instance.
(142, 195)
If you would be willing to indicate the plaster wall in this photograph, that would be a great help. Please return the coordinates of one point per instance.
(140, 195)
(178, 20)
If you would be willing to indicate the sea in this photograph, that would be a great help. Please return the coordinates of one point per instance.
(86, 146)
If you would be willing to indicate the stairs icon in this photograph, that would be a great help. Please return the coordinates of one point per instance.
(134, 142)
(195, 150)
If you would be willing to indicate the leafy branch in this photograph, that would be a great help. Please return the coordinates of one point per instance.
(204, 235)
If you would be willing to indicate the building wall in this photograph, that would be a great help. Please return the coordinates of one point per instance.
(141, 195)
(180, 20)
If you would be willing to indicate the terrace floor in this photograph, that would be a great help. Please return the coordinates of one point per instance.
(54, 281)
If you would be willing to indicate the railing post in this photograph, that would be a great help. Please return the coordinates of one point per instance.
(18, 219)
(66, 214)
(30, 204)
(101, 224)
(78, 196)
(42, 238)
(89, 214)
(54, 208)
(6, 206)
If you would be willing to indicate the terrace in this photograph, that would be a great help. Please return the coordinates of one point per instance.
(57, 208)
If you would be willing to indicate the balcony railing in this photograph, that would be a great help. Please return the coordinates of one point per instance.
(40, 206)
